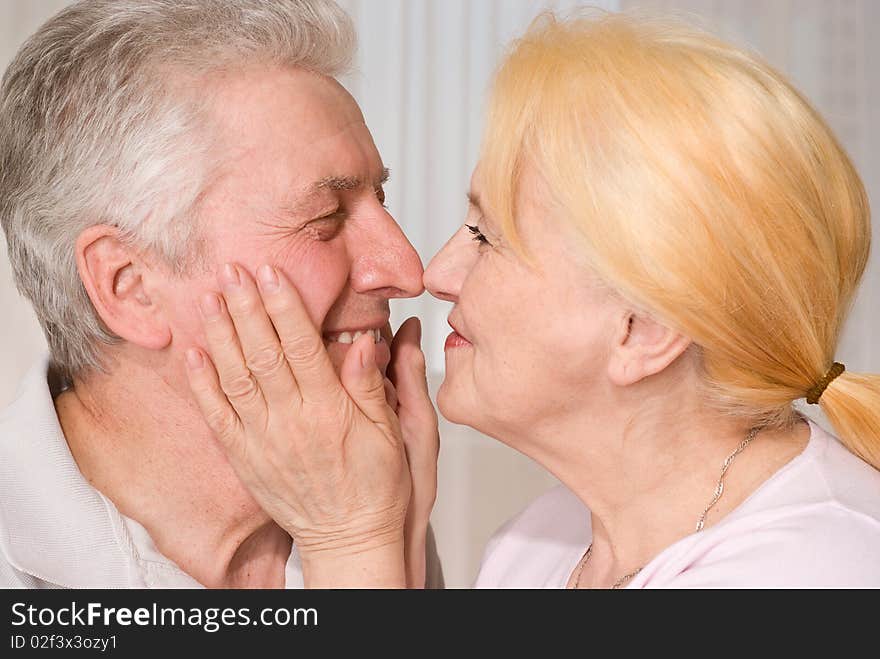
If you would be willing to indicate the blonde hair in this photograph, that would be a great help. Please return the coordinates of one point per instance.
(708, 191)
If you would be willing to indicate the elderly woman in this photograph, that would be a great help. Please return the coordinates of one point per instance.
(662, 245)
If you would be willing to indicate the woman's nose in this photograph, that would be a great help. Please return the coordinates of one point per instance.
(447, 271)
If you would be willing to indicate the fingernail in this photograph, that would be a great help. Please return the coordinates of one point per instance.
(210, 305)
(230, 275)
(194, 359)
(268, 278)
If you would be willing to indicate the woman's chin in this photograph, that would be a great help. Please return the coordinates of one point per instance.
(450, 404)
(464, 408)
(445, 403)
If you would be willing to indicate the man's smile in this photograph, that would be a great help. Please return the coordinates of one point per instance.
(339, 342)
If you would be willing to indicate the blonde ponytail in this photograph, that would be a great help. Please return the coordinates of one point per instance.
(852, 404)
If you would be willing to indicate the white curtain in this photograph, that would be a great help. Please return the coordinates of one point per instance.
(422, 71)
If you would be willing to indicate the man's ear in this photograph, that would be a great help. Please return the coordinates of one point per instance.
(643, 347)
(116, 279)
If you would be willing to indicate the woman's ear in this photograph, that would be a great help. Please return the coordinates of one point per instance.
(116, 279)
(643, 347)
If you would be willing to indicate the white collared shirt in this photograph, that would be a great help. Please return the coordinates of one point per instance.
(56, 530)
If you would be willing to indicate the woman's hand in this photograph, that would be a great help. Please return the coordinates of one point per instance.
(409, 397)
(323, 455)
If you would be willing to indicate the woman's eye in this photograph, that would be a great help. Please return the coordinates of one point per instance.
(477, 234)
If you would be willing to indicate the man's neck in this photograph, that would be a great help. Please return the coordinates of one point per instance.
(139, 441)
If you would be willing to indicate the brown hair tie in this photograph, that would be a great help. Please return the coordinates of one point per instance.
(814, 394)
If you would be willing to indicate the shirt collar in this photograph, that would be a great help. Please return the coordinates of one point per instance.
(58, 528)
(53, 524)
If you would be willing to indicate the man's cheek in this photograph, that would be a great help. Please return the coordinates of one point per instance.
(181, 307)
(320, 283)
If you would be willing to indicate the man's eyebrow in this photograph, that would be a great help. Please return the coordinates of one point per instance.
(303, 206)
(349, 182)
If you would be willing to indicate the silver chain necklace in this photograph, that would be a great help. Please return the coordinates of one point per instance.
(719, 490)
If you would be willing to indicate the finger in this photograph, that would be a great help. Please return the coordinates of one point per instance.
(259, 343)
(212, 401)
(362, 380)
(408, 371)
(301, 343)
(390, 394)
(418, 422)
(235, 378)
(418, 418)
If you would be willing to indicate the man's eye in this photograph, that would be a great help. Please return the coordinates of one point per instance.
(477, 234)
(380, 195)
(326, 227)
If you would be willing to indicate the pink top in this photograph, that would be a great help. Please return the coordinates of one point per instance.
(814, 524)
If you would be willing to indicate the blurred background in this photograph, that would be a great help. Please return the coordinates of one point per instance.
(422, 70)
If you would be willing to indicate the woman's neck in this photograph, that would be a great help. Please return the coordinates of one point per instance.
(647, 471)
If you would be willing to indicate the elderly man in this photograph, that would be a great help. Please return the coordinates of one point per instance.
(144, 144)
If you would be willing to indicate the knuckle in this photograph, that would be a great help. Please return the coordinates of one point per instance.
(223, 423)
(375, 388)
(241, 387)
(301, 349)
(265, 361)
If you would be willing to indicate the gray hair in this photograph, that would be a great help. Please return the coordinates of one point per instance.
(100, 123)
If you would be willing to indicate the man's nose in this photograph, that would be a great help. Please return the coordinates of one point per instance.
(447, 271)
(384, 262)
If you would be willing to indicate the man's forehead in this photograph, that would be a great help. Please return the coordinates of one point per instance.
(264, 108)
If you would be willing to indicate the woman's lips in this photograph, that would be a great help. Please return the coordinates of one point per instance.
(456, 340)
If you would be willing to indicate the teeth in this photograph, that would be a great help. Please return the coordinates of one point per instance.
(348, 337)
